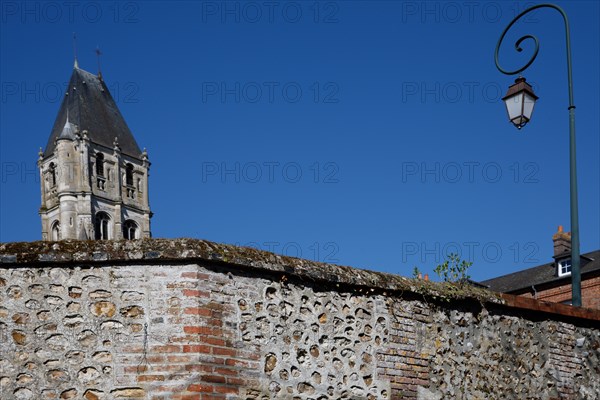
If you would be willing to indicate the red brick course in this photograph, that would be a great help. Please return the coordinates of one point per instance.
(207, 358)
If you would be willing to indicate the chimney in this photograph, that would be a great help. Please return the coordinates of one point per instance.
(562, 242)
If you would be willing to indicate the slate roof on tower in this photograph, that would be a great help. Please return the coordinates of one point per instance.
(92, 108)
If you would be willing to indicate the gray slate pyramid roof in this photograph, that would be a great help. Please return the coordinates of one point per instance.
(69, 131)
(92, 108)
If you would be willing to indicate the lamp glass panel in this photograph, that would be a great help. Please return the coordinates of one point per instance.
(518, 121)
(514, 105)
(528, 104)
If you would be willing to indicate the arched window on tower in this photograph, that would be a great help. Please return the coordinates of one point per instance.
(52, 169)
(130, 230)
(100, 179)
(55, 231)
(102, 226)
(129, 181)
(100, 164)
(129, 174)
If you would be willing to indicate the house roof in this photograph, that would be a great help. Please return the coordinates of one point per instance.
(542, 274)
(89, 106)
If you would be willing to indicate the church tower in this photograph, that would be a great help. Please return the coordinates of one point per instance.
(94, 178)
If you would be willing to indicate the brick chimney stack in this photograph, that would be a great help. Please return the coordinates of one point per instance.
(562, 242)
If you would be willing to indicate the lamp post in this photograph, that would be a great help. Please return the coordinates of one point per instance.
(520, 100)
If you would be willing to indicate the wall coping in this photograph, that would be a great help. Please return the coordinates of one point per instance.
(139, 252)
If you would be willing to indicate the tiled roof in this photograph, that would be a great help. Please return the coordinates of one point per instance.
(542, 274)
(91, 107)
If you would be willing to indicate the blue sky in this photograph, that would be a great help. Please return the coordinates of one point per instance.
(366, 133)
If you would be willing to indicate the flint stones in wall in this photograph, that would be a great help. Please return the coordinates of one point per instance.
(132, 296)
(111, 325)
(21, 318)
(75, 357)
(91, 281)
(88, 375)
(53, 301)
(23, 393)
(522, 358)
(270, 362)
(87, 338)
(68, 394)
(33, 304)
(19, 337)
(75, 292)
(73, 307)
(58, 328)
(318, 343)
(92, 394)
(83, 333)
(24, 379)
(103, 309)
(14, 292)
(73, 321)
(102, 356)
(132, 312)
(57, 375)
(100, 294)
(45, 329)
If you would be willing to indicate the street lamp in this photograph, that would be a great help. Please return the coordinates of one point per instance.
(520, 100)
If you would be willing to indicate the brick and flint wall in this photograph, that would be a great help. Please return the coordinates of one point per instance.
(190, 319)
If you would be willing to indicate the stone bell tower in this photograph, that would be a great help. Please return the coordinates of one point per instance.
(94, 177)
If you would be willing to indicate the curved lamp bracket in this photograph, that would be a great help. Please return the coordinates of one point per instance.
(537, 46)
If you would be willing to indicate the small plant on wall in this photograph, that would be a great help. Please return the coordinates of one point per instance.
(453, 269)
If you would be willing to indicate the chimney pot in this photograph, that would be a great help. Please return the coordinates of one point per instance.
(562, 242)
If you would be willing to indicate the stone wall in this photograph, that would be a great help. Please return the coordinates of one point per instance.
(186, 319)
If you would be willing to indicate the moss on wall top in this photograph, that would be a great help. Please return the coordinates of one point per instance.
(73, 252)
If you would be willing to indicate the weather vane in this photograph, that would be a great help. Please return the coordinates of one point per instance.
(98, 54)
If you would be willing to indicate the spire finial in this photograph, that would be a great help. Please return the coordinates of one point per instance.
(75, 64)
(98, 54)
